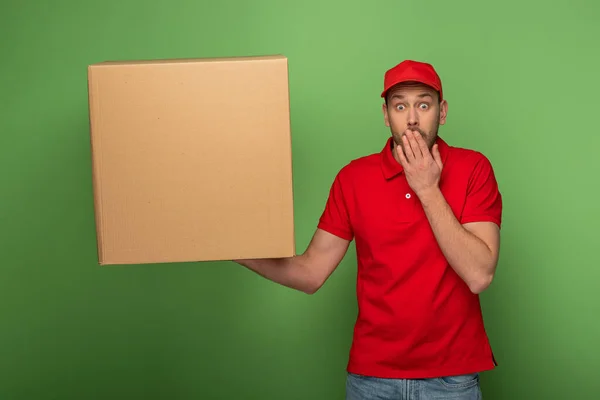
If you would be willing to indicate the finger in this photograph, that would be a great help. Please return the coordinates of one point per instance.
(414, 144)
(410, 155)
(422, 145)
(436, 156)
(401, 156)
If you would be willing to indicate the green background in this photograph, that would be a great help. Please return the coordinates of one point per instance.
(522, 83)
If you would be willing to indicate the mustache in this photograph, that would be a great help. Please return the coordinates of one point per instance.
(415, 129)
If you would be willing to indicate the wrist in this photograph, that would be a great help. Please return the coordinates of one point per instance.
(430, 195)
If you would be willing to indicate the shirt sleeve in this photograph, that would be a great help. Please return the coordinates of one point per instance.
(484, 200)
(335, 218)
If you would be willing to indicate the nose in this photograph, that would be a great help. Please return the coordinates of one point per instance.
(413, 118)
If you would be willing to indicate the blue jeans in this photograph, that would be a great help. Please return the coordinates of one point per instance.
(463, 387)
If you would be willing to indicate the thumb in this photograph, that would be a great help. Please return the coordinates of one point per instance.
(436, 156)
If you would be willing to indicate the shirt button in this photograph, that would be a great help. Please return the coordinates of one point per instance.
(408, 195)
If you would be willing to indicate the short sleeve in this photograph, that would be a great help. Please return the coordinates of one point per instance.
(484, 200)
(335, 218)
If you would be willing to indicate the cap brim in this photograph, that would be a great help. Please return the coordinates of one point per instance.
(409, 80)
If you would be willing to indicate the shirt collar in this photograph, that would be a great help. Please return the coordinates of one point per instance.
(391, 167)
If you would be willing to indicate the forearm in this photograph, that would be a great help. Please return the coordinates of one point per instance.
(293, 272)
(468, 255)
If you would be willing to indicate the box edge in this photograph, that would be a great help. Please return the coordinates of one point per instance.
(95, 168)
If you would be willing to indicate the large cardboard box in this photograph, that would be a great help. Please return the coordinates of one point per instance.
(191, 159)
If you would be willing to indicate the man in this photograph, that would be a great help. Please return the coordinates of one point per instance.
(426, 218)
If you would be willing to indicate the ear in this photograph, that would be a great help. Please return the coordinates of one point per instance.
(386, 117)
(443, 111)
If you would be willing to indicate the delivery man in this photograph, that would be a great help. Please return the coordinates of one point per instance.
(425, 217)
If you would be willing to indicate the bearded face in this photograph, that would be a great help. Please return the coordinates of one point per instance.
(416, 107)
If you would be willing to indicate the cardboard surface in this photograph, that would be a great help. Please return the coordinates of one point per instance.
(191, 159)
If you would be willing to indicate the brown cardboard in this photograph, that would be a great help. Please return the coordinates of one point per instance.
(191, 159)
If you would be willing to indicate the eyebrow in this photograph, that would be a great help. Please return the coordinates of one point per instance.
(422, 95)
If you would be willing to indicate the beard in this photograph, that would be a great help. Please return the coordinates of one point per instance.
(428, 137)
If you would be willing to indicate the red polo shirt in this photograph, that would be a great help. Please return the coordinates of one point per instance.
(417, 318)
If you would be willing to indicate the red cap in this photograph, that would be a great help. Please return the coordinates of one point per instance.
(415, 71)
